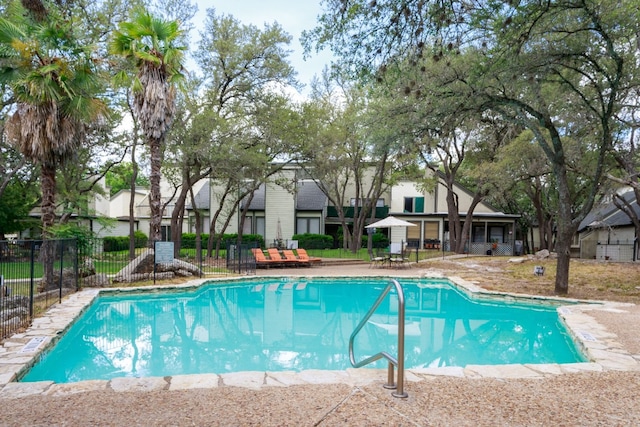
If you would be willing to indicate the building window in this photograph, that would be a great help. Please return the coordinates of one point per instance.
(247, 225)
(165, 233)
(414, 204)
(478, 234)
(308, 225)
(496, 234)
(260, 226)
(379, 202)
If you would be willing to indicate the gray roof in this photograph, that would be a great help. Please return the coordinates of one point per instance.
(202, 197)
(310, 197)
(608, 215)
(258, 201)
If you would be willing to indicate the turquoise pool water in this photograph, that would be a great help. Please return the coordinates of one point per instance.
(297, 324)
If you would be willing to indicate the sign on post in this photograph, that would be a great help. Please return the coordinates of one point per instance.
(163, 254)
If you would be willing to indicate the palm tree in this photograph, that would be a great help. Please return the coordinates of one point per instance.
(151, 43)
(54, 85)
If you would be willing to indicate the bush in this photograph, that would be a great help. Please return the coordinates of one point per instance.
(140, 238)
(379, 240)
(232, 238)
(115, 243)
(313, 241)
(121, 243)
(189, 240)
(74, 231)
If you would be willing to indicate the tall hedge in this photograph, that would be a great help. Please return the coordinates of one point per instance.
(189, 239)
(313, 241)
(379, 240)
(121, 243)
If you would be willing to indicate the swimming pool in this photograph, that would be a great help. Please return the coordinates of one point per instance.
(297, 324)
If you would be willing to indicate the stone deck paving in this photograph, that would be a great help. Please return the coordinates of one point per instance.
(599, 344)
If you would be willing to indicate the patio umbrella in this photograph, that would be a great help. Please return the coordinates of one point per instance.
(390, 221)
(279, 233)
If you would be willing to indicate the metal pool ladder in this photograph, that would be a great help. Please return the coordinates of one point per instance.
(399, 362)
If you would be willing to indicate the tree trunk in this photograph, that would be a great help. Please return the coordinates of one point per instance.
(563, 249)
(177, 218)
(198, 225)
(48, 205)
(456, 238)
(132, 201)
(214, 220)
(48, 211)
(566, 229)
(468, 221)
(155, 204)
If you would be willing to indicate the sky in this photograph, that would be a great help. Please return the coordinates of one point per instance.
(294, 16)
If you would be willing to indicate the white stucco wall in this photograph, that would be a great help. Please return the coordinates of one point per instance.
(279, 207)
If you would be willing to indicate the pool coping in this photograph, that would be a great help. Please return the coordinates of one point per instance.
(21, 351)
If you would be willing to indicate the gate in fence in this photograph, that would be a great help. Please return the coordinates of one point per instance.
(240, 258)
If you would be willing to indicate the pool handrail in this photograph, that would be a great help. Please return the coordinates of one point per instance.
(399, 362)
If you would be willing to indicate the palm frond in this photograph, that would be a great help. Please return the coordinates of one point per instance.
(10, 31)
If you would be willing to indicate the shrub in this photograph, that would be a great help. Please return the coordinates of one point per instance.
(121, 243)
(83, 235)
(115, 243)
(379, 240)
(232, 238)
(313, 241)
(140, 238)
(189, 240)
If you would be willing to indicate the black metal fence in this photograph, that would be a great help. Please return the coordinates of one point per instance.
(104, 262)
(34, 275)
(240, 259)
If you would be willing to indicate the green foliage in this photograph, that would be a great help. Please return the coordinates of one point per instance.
(140, 238)
(189, 239)
(246, 238)
(150, 43)
(82, 234)
(119, 178)
(121, 243)
(15, 204)
(379, 240)
(313, 241)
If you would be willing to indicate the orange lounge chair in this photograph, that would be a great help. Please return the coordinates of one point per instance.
(291, 258)
(304, 257)
(262, 260)
(274, 253)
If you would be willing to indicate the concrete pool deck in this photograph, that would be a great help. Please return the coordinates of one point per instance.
(607, 332)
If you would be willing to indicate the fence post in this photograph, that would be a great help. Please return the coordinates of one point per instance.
(61, 257)
(31, 283)
(75, 263)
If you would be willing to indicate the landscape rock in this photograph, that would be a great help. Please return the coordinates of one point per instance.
(543, 254)
(141, 269)
(96, 281)
(87, 268)
(68, 280)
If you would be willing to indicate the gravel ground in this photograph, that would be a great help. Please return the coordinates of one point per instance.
(582, 399)
(586, 399)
